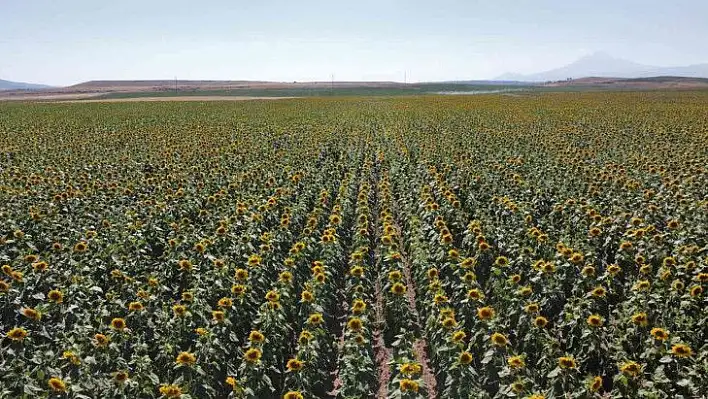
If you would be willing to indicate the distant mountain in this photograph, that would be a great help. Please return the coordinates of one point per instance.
(8, 85)
(603, 65)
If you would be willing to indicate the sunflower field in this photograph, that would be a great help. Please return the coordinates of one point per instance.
(545, 245)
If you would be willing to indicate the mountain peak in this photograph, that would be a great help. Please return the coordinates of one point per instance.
(602, 64)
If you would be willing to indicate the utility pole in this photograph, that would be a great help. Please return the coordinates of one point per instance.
(175, 83)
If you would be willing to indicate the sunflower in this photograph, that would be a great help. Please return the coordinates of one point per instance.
(293, 395)
(272, 296)
(120, 377)
(540, 321)
(135, 306)
(218, 315)
(630, 368)
(395, 276)
(566, 362)
(31, 314)
(358, 306)
(673, 224)
(475, 294)
(501, 261)
(598, 292)
(625, 245)
(458, 336)
(588, 271)
(241, 274)
(485, 313)
(515, 278)
(170, 391)
(659, 334)
(640, 319)
(398, 289)
(536, 396)
(252, 355)
(681, 350)
(614, 269)
(40, 266)
(315, 319)
(407, 385)
(469, 277)
(57, 384)
(201, 331)
(80, 247)
(231, 381)
(499, 339)
(101, 340)
(254, 260)
(238, 289)
(186, 359)
(355, 324)
(525, 291)
(17, 334)
(295, 364)
(225, 302)
(179, 310)
(185, 265)
(595, 384)
(465, 358)
(449, 322)
(696, 290)
(5, 286)
(256, 337)
(516, 362)
(532, 308)
(577, 258)
(410, 369)
(594, 320)
(518, 386)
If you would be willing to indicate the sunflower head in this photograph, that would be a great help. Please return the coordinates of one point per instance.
(17, 334)
(566, 362)
(516, 362)
(499, 339)
(295, 364)
(252, 355)
(630, 368)
(293, 395)
(681, 350)
(595, 384)
(594, 320)
(57, 384)
(408, 385)
(659, 334)
(485, 313)
(186, 359)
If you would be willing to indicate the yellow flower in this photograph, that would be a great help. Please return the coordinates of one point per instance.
(594, 320)
(458, 336)
(499, 339)
(355, 324)
(57, 384)
(256, 337)
(315, 319)
(241, 274)
(659, 334)
(398, 289)
(293, 395)
(566, 362)
(101, 340)
(407, 385)
(640, 319)
(17, 334)
(410, 369)
(696, 290)
(135, 306)
(475, 294)
(118, 324)
(120, 377)
(170, 391)
(218, 315)
(540, 321)
(295, 365)
(31, 314)
(272, 296)
(595, 384)
(630, 369)
(465, 358)
(485, 313)
(186, 359)
(252, 355)
(501, 261)
(358, 306)
(516, 362)
(598, 292)
(681, 350)
(201, 331)
(179, 310)
(231, 381)
(225, 302)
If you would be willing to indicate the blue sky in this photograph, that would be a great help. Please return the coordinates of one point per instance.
(69, 41)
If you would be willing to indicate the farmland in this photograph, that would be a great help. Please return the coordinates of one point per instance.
(537, 245)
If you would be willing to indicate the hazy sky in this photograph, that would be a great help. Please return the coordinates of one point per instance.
(69, 41)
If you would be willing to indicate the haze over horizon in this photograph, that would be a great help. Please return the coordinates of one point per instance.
(64, 43)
